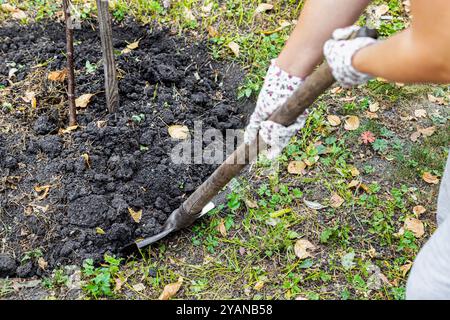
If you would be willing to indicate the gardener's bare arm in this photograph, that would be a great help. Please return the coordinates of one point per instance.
(418, 54)
(318, 19)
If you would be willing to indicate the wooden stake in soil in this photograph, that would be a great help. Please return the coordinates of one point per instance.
(111, 86)
(70, 68)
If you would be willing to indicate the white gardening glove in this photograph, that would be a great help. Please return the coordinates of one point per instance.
(339, 54)
(277, 88)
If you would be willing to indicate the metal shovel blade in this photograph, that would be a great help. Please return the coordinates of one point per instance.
(135, 247)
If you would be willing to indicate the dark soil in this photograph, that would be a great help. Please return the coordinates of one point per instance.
(167, 80)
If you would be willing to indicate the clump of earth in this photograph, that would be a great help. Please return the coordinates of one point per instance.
(66, 197)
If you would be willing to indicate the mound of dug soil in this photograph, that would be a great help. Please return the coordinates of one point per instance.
(69, 195)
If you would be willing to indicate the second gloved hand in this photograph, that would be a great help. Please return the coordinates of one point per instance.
(277, 88)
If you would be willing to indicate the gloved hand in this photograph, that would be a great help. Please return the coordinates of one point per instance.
(339, 53)
(277, 88)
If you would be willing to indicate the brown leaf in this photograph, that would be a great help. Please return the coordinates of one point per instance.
(252, 204)
(429, 178)
(16, 13)
(57, 76)
(415, 226)
(354, 171)
(171, 289)
(336, 201)
(178, 132)
(83, 101)
(415, 136)
(303, 249)
(334, 120)
(42, 263)
(351, 123)
(212, 31)
(427, 132)
(119, 284)
(136, 215)
(296, 167)
(381, 10)
(371, 115)
(234, 47)
(418, 210)
(221, 228)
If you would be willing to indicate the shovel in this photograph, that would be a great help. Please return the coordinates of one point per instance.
(198, 203)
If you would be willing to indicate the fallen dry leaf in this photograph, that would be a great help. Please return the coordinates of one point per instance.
(427, 132)
(119, 284)
(420, 113)
(221, 228)
(371, 115)
(418, 210)
(130, 47)
(438, 100)
(44, 189)
(314, 205)
(87, 160)
(303, 248)
(374, 107)
(83, 101)
(136, 215)
(336, 201)
(405, 268)
(99, 230)
(234, 47)
(68, 129)
(354, 172)
(16, 13)
(334, 120)
(252, 204)
(381, 10)
(415, 136)
(296, 167)
(263, 7)
(171, 289)
(42, 263)
(139, 287)
(57, 76)
(259, 285)
(212, 31)
(429, 178)
(415, 226)
(178, 132)
(351, 123)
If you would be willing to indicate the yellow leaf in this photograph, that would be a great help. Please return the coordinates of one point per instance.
(351, 123)
(212, 31)
(296, 167)
(259, 285)
(44, 189)
(83, 101)
(279, 213)
(334, 120)
(221, 228)
(57, 76)
(336, 201)
(303, 249)
(405, 268)
(415, 226)
(178, 132)
(130, 47)
(171, 289)
(234, 47)
(87, 160)
(354, 171)
(99, 230)
(263, 7)
(68, 129)
(429, 178)
(136, 215)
